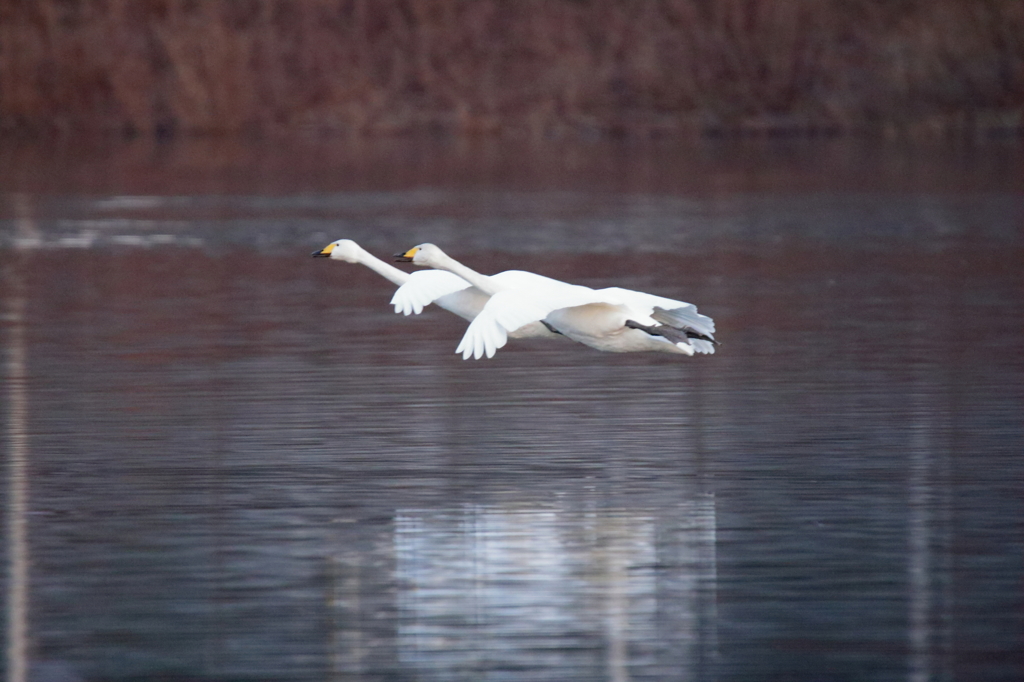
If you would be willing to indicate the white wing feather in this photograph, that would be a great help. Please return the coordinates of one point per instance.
(423, 288)
(509, 310)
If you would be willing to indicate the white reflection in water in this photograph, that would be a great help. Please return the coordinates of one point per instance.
(919, 559)
(928, 638)
(492, 589)
(18, 448)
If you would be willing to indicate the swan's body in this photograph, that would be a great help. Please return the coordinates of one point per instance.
(453, 293)
(421, 289)
(613, 320)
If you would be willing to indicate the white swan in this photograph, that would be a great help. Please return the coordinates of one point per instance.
(613, 319)
(454, 294)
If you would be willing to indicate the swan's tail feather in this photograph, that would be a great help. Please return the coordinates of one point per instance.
(701, 346)
(698, 328)
(686, 318)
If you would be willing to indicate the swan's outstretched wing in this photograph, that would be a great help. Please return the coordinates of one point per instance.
(511, 309)
(425, 287)
(674, 313)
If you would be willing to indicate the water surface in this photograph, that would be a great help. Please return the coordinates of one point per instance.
(232, 461)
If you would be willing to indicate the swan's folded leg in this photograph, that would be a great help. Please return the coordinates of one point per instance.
(676, 336)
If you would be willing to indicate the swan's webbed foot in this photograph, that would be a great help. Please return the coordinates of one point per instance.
(671, 333)
(694, 334)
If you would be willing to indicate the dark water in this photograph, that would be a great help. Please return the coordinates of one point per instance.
(236, 463)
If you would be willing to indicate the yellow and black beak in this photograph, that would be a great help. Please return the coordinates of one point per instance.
(324, 252)
(407, 256)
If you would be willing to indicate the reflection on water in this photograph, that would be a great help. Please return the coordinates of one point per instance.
(240, 464)
(17, 447)
(577, 594)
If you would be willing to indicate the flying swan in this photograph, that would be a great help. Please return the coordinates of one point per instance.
(447, 290)
(614, 320)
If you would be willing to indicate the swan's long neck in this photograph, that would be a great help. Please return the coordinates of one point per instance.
(481, 282)
(383, 269)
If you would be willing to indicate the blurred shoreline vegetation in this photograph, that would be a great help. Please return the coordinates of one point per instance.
(531, 68)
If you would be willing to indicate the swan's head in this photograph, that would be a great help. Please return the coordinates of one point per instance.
(424, 255)
(343, 249)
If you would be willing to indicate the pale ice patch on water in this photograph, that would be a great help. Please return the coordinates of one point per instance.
(542, 222)
(120, 203)
(92, 234)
